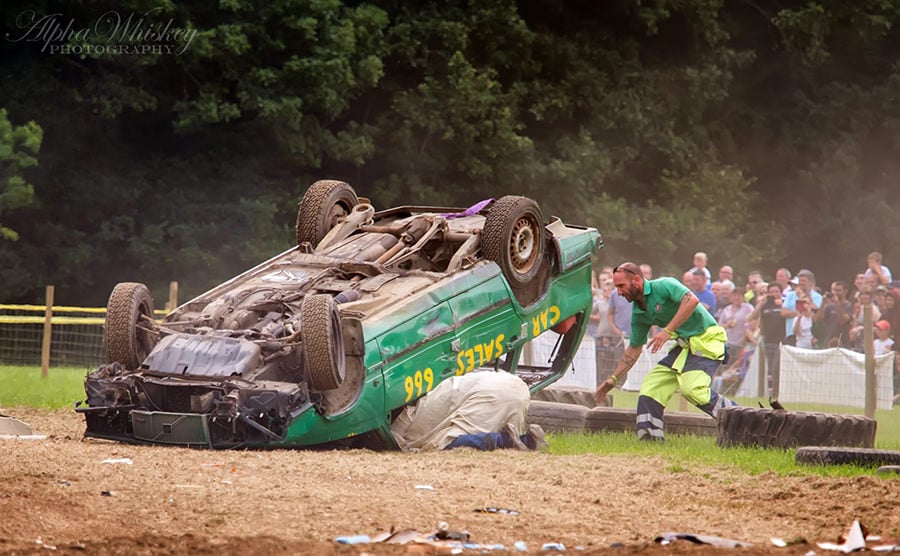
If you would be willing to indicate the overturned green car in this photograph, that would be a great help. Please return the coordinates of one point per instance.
(325, 343)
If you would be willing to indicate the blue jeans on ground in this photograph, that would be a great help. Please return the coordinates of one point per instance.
(488, 441)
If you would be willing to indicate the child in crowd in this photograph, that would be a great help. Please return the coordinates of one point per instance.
(803, 324)
(883, 342)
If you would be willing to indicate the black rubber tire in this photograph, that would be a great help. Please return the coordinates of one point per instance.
(617, 419)
(830, 455)
(556, 417)
(772, 428)
(323, 342)
(514, 238)
(322, 205)
(129, 305)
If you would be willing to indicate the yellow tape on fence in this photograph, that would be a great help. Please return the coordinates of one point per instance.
(13, 319)
(64, 309)
(56, 308)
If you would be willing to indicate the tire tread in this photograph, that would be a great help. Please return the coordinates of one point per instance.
(322, 349)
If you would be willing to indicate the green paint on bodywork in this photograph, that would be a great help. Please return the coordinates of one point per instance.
(449, 329)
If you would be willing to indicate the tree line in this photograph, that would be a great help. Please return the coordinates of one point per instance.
(154, 142)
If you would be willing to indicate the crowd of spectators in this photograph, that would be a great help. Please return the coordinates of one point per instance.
(787, 309)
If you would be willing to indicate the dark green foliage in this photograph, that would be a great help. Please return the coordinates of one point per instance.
(19, 146)
(762, 133)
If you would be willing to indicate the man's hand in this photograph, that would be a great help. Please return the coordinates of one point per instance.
(603, 390)
(658, 340)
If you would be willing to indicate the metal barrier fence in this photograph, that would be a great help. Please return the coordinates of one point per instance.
(832, 377)
(57, 336)
(76, 335)
(73, 337)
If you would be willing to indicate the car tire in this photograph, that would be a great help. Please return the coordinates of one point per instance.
(774, 428)
(323, 342)
(830, 455)
(322, 205)
(127, 339)
(514, 238)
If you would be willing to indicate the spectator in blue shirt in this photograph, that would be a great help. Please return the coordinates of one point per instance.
(695, 280)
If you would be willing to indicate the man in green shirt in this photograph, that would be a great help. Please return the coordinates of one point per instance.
(698, 352)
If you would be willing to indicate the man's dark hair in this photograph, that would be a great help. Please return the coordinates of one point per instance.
(629, 267)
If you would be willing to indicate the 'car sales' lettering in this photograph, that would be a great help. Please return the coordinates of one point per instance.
(539, 322)
(466, 361)
(479, 354)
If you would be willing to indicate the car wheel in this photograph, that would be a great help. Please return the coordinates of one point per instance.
(323, 342)
(775, 428)
(129, 317)
(829, 455)
(513, 237)
(322, 205)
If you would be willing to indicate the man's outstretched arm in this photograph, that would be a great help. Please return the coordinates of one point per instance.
(629, 358)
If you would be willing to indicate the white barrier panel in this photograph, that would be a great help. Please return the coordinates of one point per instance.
(583, 370)
(749, 387)
(834, 376)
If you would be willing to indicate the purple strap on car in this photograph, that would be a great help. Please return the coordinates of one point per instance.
(474, 209)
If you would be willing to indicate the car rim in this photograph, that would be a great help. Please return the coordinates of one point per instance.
(144, 341)
(522, 249)
(338, 353)
(336, 213)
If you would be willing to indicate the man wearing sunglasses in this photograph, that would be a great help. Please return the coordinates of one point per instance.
(688, 367)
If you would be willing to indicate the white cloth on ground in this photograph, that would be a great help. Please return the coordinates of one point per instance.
(477, 402)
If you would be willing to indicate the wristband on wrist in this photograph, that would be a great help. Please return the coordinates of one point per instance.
(615, 379)
(669, 332)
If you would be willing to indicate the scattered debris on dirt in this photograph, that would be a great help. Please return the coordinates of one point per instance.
(274, 502)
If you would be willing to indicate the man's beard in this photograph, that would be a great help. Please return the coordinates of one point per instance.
(638, 297)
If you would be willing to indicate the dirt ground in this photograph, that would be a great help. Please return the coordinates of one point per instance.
(57, 495)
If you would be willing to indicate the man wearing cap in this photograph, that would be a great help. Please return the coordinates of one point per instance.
(688, 367)
(805, 286)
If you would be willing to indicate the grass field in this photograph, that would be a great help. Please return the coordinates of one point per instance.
(24, 386)
(62, 387)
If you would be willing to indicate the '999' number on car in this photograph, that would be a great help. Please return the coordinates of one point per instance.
(419, 383)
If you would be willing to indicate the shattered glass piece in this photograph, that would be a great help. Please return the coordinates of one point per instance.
(855, 540)
(668, 538)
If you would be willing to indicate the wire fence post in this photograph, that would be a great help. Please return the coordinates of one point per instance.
(869, 350)
(762, 370)
(48, 332)
(173, 296)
